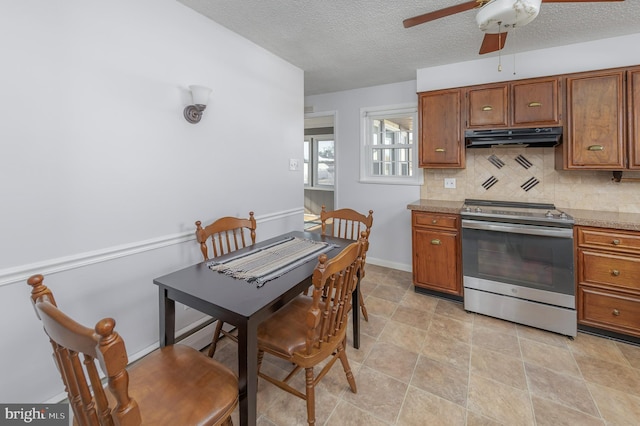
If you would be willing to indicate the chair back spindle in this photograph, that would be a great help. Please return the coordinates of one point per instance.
(227, 234)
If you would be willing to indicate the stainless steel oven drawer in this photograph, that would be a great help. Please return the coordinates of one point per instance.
(546, 317)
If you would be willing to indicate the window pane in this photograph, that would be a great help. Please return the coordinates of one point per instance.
(306, 154)
(325, 166)
(376, 129)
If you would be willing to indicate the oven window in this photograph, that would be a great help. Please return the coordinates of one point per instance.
(544, 263)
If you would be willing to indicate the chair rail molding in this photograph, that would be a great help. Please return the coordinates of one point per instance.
(60, 264)
(79, 260)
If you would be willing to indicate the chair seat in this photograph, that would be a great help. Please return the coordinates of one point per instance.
(160, 380)
(285, 332)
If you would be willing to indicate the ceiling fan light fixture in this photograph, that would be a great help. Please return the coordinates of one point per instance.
(500, 15)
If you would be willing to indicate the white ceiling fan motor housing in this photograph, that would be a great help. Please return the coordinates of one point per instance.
(502, 15)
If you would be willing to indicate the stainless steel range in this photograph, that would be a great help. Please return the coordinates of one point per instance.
(518, 263)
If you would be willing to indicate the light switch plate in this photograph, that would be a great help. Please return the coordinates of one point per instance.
(450, 183)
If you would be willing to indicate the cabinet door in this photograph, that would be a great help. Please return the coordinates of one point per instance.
(435, 260)
(441, 129)
(595, 136)
(633, 109)
(487, 106)
(535, 103)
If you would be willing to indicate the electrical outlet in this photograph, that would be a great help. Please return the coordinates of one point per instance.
(450, 183)
(293, 164)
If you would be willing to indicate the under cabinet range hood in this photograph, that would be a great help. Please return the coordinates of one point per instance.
(538, 137)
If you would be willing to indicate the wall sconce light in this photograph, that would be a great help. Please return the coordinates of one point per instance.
(200, 95)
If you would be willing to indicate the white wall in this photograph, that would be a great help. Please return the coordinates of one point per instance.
(101, 177)
(391, 233)
(594, 55)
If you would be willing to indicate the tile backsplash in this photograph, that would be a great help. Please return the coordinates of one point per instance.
(529, 175)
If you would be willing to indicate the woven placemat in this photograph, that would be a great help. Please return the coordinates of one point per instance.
(270, 262)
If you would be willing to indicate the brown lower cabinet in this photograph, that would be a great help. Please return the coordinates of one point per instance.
(436, 252)
(608, 262)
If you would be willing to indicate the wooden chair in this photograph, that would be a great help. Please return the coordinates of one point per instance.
(308, 330)
(226, 234)
(348, 223)
(174, 385)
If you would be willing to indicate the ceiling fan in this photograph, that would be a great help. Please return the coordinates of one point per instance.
(495, 17)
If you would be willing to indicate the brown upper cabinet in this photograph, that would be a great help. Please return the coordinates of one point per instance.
(600, 112)
(525, 103)
(633, 110)
(595, 132)
(487, 106)
(441, 142)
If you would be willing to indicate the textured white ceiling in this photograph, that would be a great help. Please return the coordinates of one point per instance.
(348, 44)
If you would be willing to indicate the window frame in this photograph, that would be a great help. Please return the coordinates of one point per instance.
(367, 115)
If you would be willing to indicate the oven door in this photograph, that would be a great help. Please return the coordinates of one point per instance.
(525, 261)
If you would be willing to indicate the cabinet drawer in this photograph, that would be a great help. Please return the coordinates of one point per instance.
(437, 220)
(610, 240)
(615, 311)
(609, 269)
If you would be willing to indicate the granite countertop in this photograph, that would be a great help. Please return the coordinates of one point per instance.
(436, 206)
(600, 219)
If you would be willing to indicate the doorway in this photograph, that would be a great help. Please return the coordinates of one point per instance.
(319, 167)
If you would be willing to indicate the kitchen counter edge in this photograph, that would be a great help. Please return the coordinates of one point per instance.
(599, 219)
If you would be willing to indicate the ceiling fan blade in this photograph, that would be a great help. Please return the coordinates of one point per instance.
(492, 42)
(578, 1)
(447, 11)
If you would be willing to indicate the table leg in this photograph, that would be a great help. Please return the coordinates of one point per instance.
(355, 311)
(167, 318)
(248, 372)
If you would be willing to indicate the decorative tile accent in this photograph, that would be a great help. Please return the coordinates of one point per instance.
(489, 182)
(523, 161)
(530, 184)
(496, 161)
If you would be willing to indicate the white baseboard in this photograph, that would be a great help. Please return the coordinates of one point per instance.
(387, 264)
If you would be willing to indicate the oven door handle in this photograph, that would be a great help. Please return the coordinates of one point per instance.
(518, 228)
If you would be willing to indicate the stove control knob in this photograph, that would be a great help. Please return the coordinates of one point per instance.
(467, 209)
(549, 214)
(563, 215)
(478, 210)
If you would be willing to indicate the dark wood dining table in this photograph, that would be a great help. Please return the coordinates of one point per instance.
(242, 304)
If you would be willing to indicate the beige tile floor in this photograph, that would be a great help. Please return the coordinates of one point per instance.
(425, 361)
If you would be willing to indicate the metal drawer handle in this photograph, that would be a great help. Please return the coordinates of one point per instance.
(596, 148)
(487, 108)
(616, 242)
(616, 312)
(439, 149)
(435, 242)
(434, 221)
(534, 104)
(615, 273)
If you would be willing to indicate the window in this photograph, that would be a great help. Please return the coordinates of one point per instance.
(389, 151)
(319, 156)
